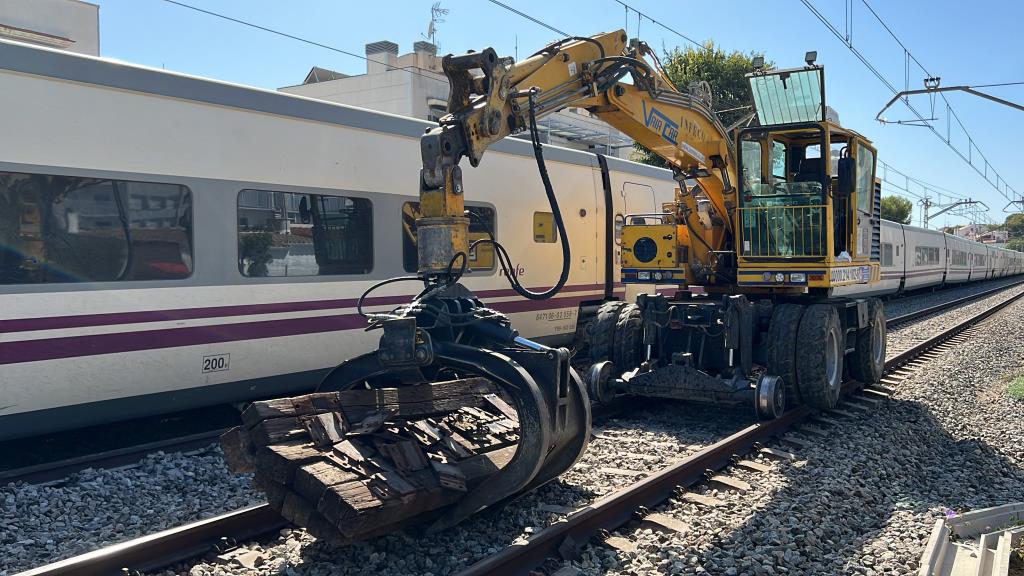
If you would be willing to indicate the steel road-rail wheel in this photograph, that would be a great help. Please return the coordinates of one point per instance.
(868, 360)
(770, 397)
(628, 338)
(602, 336)
(782, 334)
(819, 356)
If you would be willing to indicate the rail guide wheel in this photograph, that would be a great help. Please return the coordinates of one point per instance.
(599, 382)
(770, 397)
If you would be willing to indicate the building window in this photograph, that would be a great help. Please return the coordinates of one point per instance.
(886, 255)
(436, 111)
(290, 234)
(481, 221)
(73, 229)
(544, 228)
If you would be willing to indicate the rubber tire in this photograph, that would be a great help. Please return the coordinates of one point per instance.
(782, 332)
(602, 336)
(628, 338)
(863, 365)
(819, 321)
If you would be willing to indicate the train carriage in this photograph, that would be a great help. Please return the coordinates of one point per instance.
(925, 258)
(979, 261)
(188, 242)
(893, 257)
(958, 259)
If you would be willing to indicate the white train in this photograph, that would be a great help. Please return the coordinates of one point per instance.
(169, 241)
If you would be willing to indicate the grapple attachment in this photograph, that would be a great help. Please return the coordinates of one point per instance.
(424, 430)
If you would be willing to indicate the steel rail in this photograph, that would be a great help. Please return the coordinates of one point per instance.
(562, 538)
(609, 512)
(565, 538)
(891, 364)
(165, 548)
(51, 471)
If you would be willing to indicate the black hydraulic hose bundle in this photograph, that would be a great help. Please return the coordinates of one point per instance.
(503, 258)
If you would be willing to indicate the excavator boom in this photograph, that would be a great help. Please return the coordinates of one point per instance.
(493, 97)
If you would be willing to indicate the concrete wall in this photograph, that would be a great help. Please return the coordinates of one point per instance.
(52, 21)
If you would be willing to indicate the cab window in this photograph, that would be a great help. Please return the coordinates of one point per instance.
(778, 160)
(865, 181)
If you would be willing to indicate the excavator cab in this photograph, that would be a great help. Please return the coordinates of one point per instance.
(808, 219)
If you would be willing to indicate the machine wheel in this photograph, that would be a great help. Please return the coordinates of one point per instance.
(628, 338)
(819, 354)
(782, 335)
(602, 337)
(598, 382)
(869, 354)
(770, 397)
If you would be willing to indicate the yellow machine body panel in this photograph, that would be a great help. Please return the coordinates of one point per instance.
(653, 252)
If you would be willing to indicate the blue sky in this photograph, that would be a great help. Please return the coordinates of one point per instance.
(964, 43)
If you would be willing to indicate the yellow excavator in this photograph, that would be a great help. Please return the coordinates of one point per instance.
(773, 232)
(775, 222)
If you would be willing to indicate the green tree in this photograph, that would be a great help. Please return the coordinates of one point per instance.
(1015, 244)
(897, 209)
(1014, 226)
(254, 253)
(724, 71)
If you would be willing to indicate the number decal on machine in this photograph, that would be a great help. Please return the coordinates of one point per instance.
(217, 363)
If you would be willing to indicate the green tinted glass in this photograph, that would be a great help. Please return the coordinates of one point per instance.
(788, 97)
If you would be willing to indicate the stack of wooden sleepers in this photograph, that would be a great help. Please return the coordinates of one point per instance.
(359, 463)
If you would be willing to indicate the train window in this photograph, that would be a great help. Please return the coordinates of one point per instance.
(290, 234)
(481, 226)
(544, 228)
(924, 255)
(886, 254)
(73, 229)
(959, 258)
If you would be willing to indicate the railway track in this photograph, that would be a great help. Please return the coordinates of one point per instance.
(559, 540)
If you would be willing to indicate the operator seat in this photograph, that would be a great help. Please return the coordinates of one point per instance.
(810, 170)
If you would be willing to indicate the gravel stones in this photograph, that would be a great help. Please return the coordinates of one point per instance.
(863, 499)
(645, 442)
(95, 508)
(906, 336)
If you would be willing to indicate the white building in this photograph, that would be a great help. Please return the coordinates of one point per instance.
(70, 25)
(981, 233)
(414, 85)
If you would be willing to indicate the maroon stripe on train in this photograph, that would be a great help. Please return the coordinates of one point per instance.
(83, 320)
(94, 344)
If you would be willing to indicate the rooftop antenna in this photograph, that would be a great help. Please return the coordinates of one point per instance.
(436, 17)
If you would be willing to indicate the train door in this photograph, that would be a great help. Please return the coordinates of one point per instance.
(638, 199)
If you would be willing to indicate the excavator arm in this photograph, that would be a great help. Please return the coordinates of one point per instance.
(494, 97)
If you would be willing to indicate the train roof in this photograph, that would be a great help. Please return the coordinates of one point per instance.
(39, 61)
